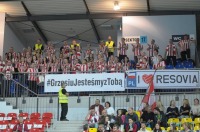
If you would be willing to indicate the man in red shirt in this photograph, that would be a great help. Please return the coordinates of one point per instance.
(97, 107)
(21, 127)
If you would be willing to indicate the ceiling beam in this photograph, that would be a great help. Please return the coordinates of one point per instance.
(34, 23)
(95, 16)
(92, 22)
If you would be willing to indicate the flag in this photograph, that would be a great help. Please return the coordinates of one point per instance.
(149, 97)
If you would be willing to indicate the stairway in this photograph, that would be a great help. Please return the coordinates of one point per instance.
(7, 108)
(66, 126)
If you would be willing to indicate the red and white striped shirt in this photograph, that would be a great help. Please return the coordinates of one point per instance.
(45, 69)
(184, 44)
(2, 64)
(126, 66)
(137, 49)
(88, 52)
(142, 65)
(73, 58)
(42, 65)
(91, 66)
(32, 74)
(22, 67)
(75, 68)
(84, 68)
(112, 67)
(8, 72)
(14, 54)
(171, 50)
(119, 67)
(66, 47)
(151, 48)
(159, 65)
(122, 48)
(54, 68)
(66, 68)
(101, 68)
(78, 55)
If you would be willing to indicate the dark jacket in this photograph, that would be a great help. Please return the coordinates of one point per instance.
(134, 126)
(133, 116)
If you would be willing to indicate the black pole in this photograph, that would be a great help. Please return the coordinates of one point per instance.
(17, 90)
(37, 104)
(58, 110)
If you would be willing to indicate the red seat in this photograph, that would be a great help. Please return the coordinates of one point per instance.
(2, 114)
(40, 124)
(47, 116)
(35, 116)
(13, 123)
(35, 130)
(24, 115)
(29, 124)
(13, 115)
(7, 130)
(48, 121)
(3, 125)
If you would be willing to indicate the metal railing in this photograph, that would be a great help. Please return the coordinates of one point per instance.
(17, 92)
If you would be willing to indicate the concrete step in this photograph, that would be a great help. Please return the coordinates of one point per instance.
(69, 126)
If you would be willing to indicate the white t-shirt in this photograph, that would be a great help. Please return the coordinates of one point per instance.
(196, 109)
(97, 110)
(110, 111)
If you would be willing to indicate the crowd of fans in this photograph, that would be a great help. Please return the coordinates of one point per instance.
(105, 119)
(71, 59)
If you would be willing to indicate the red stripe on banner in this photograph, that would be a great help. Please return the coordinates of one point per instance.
(131, 77)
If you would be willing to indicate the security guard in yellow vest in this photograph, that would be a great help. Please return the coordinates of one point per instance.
(110, 46)
(74, 45)
(63, 100)
(38, 47)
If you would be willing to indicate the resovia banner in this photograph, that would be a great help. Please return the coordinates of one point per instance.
(163, 79)
(85, 82)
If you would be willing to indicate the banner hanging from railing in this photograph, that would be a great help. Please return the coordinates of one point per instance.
(163, 79)
(85, 82)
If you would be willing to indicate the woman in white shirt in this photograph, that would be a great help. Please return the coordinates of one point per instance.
(195, 111)
(110, 110)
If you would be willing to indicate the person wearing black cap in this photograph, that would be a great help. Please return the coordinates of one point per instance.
(159, 117)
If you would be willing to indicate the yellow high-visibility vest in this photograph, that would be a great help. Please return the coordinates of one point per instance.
(72, 46)
(110, 45)
(38, 46)
(62, 97)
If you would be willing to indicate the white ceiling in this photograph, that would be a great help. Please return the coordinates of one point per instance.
(60, 29)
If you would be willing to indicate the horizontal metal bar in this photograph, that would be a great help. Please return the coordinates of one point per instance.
(95, 16)
(156, 93)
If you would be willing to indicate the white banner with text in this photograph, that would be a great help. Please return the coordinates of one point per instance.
(163, 79)
(85, 82)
